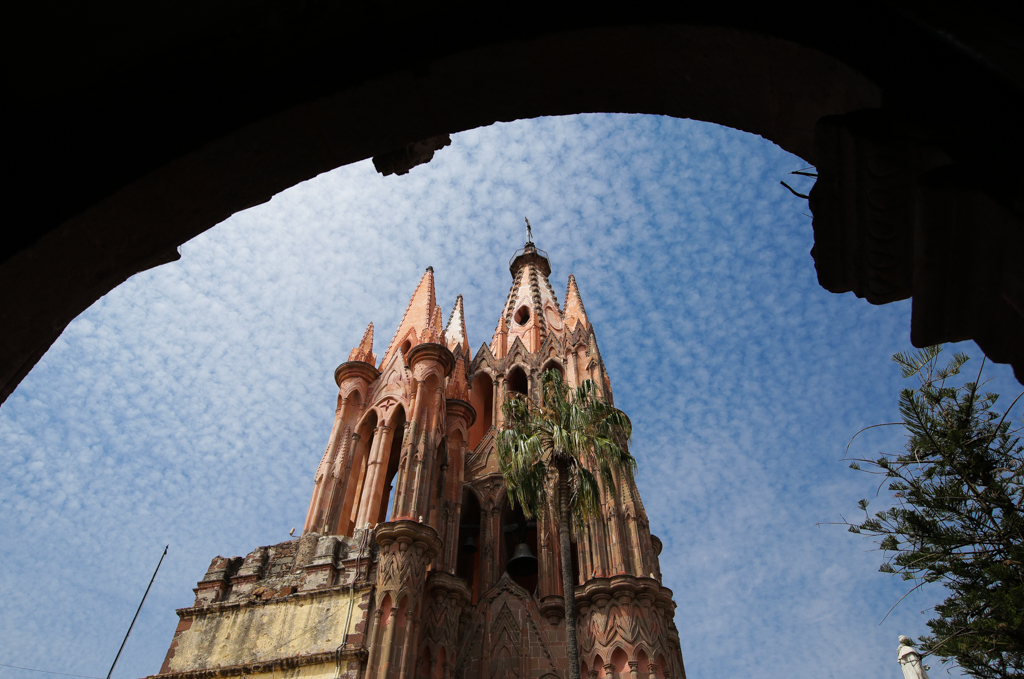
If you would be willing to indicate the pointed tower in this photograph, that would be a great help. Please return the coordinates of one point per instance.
(417, 320)
(455, 335)
(531, 307)
(405, 566)
(364, 352)
(575, 315)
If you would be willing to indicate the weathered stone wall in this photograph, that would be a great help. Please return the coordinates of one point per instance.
(299, 606)
(305, 624)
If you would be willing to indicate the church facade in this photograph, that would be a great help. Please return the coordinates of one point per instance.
(412, 562)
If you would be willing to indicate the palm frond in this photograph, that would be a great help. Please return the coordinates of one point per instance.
(571, 427)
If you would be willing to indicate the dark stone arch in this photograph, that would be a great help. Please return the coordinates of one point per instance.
(132, 133)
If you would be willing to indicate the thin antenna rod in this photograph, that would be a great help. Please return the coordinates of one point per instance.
(137, 612)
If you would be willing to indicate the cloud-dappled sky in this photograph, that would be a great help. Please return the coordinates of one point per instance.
(191, 405)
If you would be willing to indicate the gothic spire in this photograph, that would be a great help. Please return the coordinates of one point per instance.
(364, 352)
(531, 310)
(455, 333)
(417, 319)
(574, 311)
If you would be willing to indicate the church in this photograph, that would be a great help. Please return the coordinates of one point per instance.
(412, 562)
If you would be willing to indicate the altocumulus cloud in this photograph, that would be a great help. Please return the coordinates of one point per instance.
(191, 405)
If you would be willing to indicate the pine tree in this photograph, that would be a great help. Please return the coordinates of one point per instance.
(958, 515)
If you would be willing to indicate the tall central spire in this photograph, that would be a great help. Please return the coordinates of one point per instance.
(531, 310)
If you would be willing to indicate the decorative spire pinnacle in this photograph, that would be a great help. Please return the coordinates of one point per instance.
(417, 319)
(499, 343)
(531, 303)
(574, 312)
(364, 352)
(434, 332)
(458, 386)
(455, 333)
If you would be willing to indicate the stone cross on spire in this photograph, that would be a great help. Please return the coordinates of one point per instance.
(529, 231)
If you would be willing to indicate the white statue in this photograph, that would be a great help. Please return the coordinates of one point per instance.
(910, 660)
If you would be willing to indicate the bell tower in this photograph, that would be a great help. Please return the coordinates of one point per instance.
(412, 562)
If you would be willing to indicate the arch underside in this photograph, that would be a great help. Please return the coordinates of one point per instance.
(145, 143)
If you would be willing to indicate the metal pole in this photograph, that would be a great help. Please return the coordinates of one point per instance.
(137, 612)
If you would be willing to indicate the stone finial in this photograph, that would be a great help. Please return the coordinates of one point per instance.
(364, 352)
(418, 316)
(574, 313)
(458, 385)
(455, 334)
(433, 332)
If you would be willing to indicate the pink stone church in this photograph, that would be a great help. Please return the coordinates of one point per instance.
(412, 563)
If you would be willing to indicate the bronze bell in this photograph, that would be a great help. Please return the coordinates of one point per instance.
(469, 546)
(523, 562)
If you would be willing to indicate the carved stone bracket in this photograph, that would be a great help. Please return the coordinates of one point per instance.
(406, 547)
(894, 217)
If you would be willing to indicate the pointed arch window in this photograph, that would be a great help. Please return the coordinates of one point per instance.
(517, 382)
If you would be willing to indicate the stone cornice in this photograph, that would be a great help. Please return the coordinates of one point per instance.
(530, 255)
(355, 369)
(346, 652)
(457, 408)
(429, 350)
(450, 585)
(410, 532)
(220, 607)
(596, 589)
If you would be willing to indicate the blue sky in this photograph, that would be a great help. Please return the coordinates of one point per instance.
(191, 405)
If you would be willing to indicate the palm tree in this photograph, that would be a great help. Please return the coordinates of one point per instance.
(562, 446)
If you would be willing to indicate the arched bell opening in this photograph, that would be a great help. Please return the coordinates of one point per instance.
(440, 472)
(518, 382)
(518, 550)
(397, 434)
(366, 432)
(555, 365)
(481, 397)
(467, 559)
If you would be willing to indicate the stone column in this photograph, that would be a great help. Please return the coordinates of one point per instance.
(387, 643)
(495, 403)
(499, 417)
(374, 644)
(632, 669)
(325, 485)
(374, 483)
(653, 670)
(406, 549)
(351, 491)
(426, 468)
(609, 671)
(408, 644)
(401, 478)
